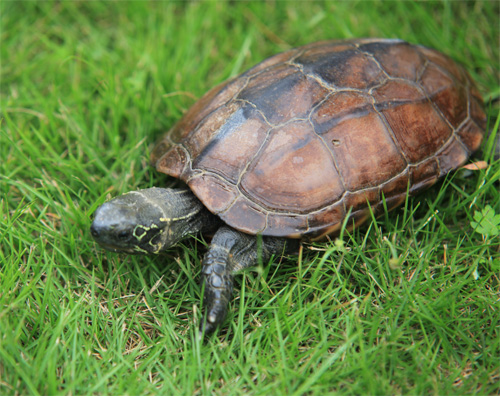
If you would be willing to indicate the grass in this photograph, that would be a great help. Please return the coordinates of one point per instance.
(406, 305)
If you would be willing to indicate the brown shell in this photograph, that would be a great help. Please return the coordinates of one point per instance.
(295, 143)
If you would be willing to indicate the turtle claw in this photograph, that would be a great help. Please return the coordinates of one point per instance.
(206, 328)
(216, 313)
(218, 287)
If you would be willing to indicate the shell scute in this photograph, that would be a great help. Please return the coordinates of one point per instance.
(349, 68)
(293, 172)
(399, 60)
(446, 94)
(477, 114)
(292, 223)
(236, 141)
(325, 221)
(218, 194)
(175, 159)
(266, 90)
(251, 216)
(419, 129)
(339, 107)
(470, 135)
(210, 102)
(210, 128)
(445, 63)
(452, 156)
(353, 139)
(396, 92)
(423, 175)
(359, 200)
(397, 186)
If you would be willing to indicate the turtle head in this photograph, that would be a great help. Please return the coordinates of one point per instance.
(146, 221)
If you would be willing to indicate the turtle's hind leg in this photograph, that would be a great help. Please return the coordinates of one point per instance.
(230, 252)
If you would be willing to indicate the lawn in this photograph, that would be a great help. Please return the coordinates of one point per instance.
(407, 304)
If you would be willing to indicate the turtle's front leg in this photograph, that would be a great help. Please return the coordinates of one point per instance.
(230, 252)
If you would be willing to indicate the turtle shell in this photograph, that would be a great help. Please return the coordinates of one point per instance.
(306, 137)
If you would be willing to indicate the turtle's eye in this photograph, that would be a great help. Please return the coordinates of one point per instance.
(122, 235)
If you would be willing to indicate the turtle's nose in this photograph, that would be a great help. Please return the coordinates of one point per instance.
(98, 226)
(95, 230)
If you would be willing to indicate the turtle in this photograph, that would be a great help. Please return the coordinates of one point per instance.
(305, 141)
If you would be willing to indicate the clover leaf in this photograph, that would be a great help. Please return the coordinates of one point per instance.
(486, 222)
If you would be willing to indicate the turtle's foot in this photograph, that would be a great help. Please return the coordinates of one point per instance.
(218, 291)
(230, 252)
